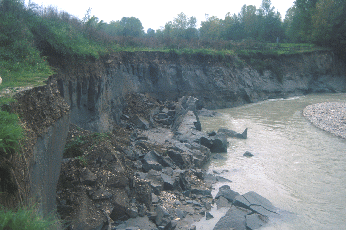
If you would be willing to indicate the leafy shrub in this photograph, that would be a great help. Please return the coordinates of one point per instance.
(73, 148)
(25, 219)
(10, 132)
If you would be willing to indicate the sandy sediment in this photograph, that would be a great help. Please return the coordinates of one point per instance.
(329, 116)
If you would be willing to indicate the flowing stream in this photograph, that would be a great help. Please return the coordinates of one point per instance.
(298, 167)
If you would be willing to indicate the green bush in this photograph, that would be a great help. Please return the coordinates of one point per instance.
(25, 219)
(73, 148)
(21, 63)
(10, 132)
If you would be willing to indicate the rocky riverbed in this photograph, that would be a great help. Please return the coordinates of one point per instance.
(148, 173)
(329, 116)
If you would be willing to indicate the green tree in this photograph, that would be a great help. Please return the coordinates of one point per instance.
(329, 26)
(211, 28)
(290, 26)
(270, 25)
(113, 28)
(232, 28)
(302, 20)
(182, 27)
(249, 19)
(131, 26)
(150, 32)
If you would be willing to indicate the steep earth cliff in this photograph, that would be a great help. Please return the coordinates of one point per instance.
(36, 169)
(95, 89)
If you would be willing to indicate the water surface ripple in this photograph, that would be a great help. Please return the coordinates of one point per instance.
(298, 167)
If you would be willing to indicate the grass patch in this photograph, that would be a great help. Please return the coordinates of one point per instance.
(25, 219)
(10, 132)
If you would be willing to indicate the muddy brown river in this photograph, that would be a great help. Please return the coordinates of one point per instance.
(298, 167)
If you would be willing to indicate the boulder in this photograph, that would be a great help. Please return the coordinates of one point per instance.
(226, 192)
(162, 217)
(231, 133)
(201, 191)
(151, 161)
(142, 191)
(255, 221)
(87, 177)
(222, 202)
(220, 143)
(233, 219)
(208, 216)
(140, 122)
(216, 143)
(168, 182)
(256, 203)
(186, 105)
(248, 154)
(180, 159)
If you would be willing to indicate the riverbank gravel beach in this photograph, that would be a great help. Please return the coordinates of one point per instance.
(329, 116)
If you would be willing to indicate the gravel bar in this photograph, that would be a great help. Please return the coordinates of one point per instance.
(329, 116)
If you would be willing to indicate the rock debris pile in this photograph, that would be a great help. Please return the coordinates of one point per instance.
(146, 173)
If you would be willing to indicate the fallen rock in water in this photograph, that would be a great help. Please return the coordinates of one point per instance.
(256, 203)
(233, 219)
(226, 192)
(248, 154)
(216, 143)
(208, 113)
(231, 133)
(255, 221)
(222, 202)
(208, 216)
(249, 211)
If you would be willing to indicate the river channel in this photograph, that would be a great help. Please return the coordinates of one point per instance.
(298, 167)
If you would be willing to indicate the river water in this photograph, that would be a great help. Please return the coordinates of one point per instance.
(298, 167)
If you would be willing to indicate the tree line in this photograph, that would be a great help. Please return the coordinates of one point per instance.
(308, 21)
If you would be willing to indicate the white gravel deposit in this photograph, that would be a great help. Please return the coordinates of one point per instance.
(329, 116)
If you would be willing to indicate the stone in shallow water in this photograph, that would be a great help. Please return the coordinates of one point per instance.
(226, 192)
(255, 202)
(208, 216)
(234, 219)
(248, 154)
(255, 221)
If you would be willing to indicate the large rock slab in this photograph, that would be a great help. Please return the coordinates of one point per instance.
(233, 219)
(256, 203)
(255, 221)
